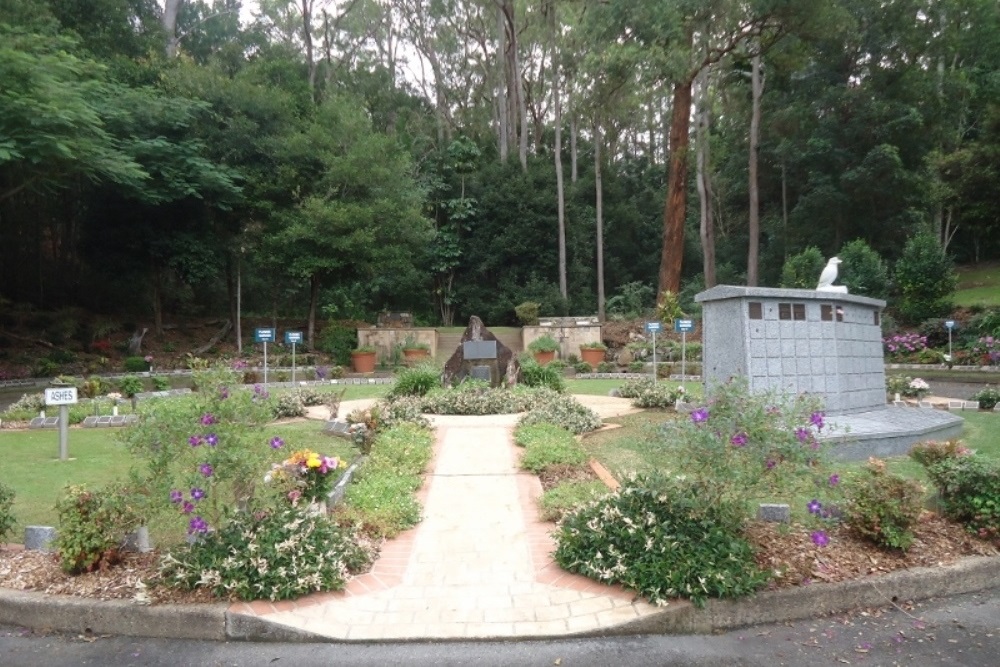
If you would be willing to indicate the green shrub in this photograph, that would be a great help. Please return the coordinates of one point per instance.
(130, 385)
(527, 313)
(544, 343)
(135, 365)
(45, 368)
(926, 279)
(636, 367)
(863, 270)
(416, 381)
(338, 341)
(92, 525)
(969, 489)
(7, 520)
(663, 538)
(931, 452)
(606, 367)
(883, 507)
(476, 397)
(561, 410)
(275, 555)
(547, 445)
(802, 270)
(534, 374)
(583, 367)
(310, 397)
(988, 397)
(647, 394)
(631, 301)
(95, 386)
(564, 498)
(161, 383)
(287, 406)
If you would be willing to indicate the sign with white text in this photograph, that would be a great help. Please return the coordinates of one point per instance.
(60, 396)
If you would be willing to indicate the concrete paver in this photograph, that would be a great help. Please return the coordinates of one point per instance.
(479, 563)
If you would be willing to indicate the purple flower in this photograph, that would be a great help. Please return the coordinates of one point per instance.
(700, 415)
(223, 393)
(277, 443)
(771, 463)
(820, 538)
(187, 507)
(212, 439)
(814, 506)
(738, 440)
(816, 419)
(176, 496)
(194, 440)
(208, 419)
(206, 469)
(197, 525)
(802, 433)
(834, 479)
(197, 494)
(322, 372)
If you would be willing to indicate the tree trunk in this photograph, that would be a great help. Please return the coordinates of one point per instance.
(519, 107)
(313, 299)
(672, 255)
(171, 8)
(239, 302)
(753, 253)
(599, 197)
(704, 180)
(574, 173)
(307, 39)
(560, 187)
(502, 114)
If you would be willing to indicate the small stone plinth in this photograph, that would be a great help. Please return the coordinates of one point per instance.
(138, 540)
(39, 538)
(774, 513)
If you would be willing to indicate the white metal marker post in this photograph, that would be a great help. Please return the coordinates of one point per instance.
(652, 328)
(63, 397)
(291, 338)
(264, 336)
(949, 324)
(682, 327)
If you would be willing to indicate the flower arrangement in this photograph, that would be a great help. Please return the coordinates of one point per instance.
(900, 346)
(917, 388)
(907, 386)
(309, 473)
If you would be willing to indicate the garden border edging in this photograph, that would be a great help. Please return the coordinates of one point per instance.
(214, 621)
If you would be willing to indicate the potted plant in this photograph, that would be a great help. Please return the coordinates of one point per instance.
(593, 353)
(543, 348)
(414, 351)
(363, 359)
(988, 397)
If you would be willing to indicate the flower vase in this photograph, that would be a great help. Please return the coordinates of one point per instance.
(897, 397)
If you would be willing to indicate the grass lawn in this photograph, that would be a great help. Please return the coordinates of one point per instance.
(979, 285)
(31, 464)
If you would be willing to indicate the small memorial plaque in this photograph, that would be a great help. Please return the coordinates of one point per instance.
(479, 349)
(480, 373)
(116, 420)
(89, 422)
(104, 421)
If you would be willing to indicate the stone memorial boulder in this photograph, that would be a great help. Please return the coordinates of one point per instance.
(481, 355)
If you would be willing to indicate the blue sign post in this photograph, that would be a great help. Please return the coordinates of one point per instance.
(683, 327)
(292, 338)
(950, 325)
(652, 328)
(265, 336)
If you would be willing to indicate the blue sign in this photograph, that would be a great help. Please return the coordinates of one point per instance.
(653, 327)
(949, 324)
(293, 337)
(263, 336)
(683, 326)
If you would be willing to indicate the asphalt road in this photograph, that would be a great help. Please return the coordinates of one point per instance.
(959, 631)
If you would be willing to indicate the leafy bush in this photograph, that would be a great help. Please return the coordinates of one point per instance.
(544, 343)
(561, 410)
(30, 403)
(647, 394)
(902, 345)
(926, 279)
(275, 555)
(476, 397)
(288, 406)
(606, 367)
(883, 507)
(92, 525)
(560, 500)
(987, 349)
(527, 313)
(416, 381)
(636, 367)
(310, 397)
(931, 452)
(547, 445)
(534, 374)
(130, 385)
(863, 270)
(338, 341)
(583, 367)
(988, 397)
(632, 300)
(7, 521)
(380, 501)
(802, 270)
(663, 538)
(135, 365)
(161, 383)
(969, 488)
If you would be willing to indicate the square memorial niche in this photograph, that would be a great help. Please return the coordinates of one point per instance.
(796, 341)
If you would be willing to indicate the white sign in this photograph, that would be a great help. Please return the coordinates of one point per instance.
(950, 324)
(60, 396)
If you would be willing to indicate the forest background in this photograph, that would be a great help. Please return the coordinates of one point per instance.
(331, 160)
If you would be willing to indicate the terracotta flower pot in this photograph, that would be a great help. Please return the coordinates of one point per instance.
(544, 357)
(415, 355)
(592, 355)
(363, 362)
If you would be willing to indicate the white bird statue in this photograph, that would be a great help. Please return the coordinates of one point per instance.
(828, 276)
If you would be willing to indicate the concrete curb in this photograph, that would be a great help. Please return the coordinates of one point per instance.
(215, 622)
